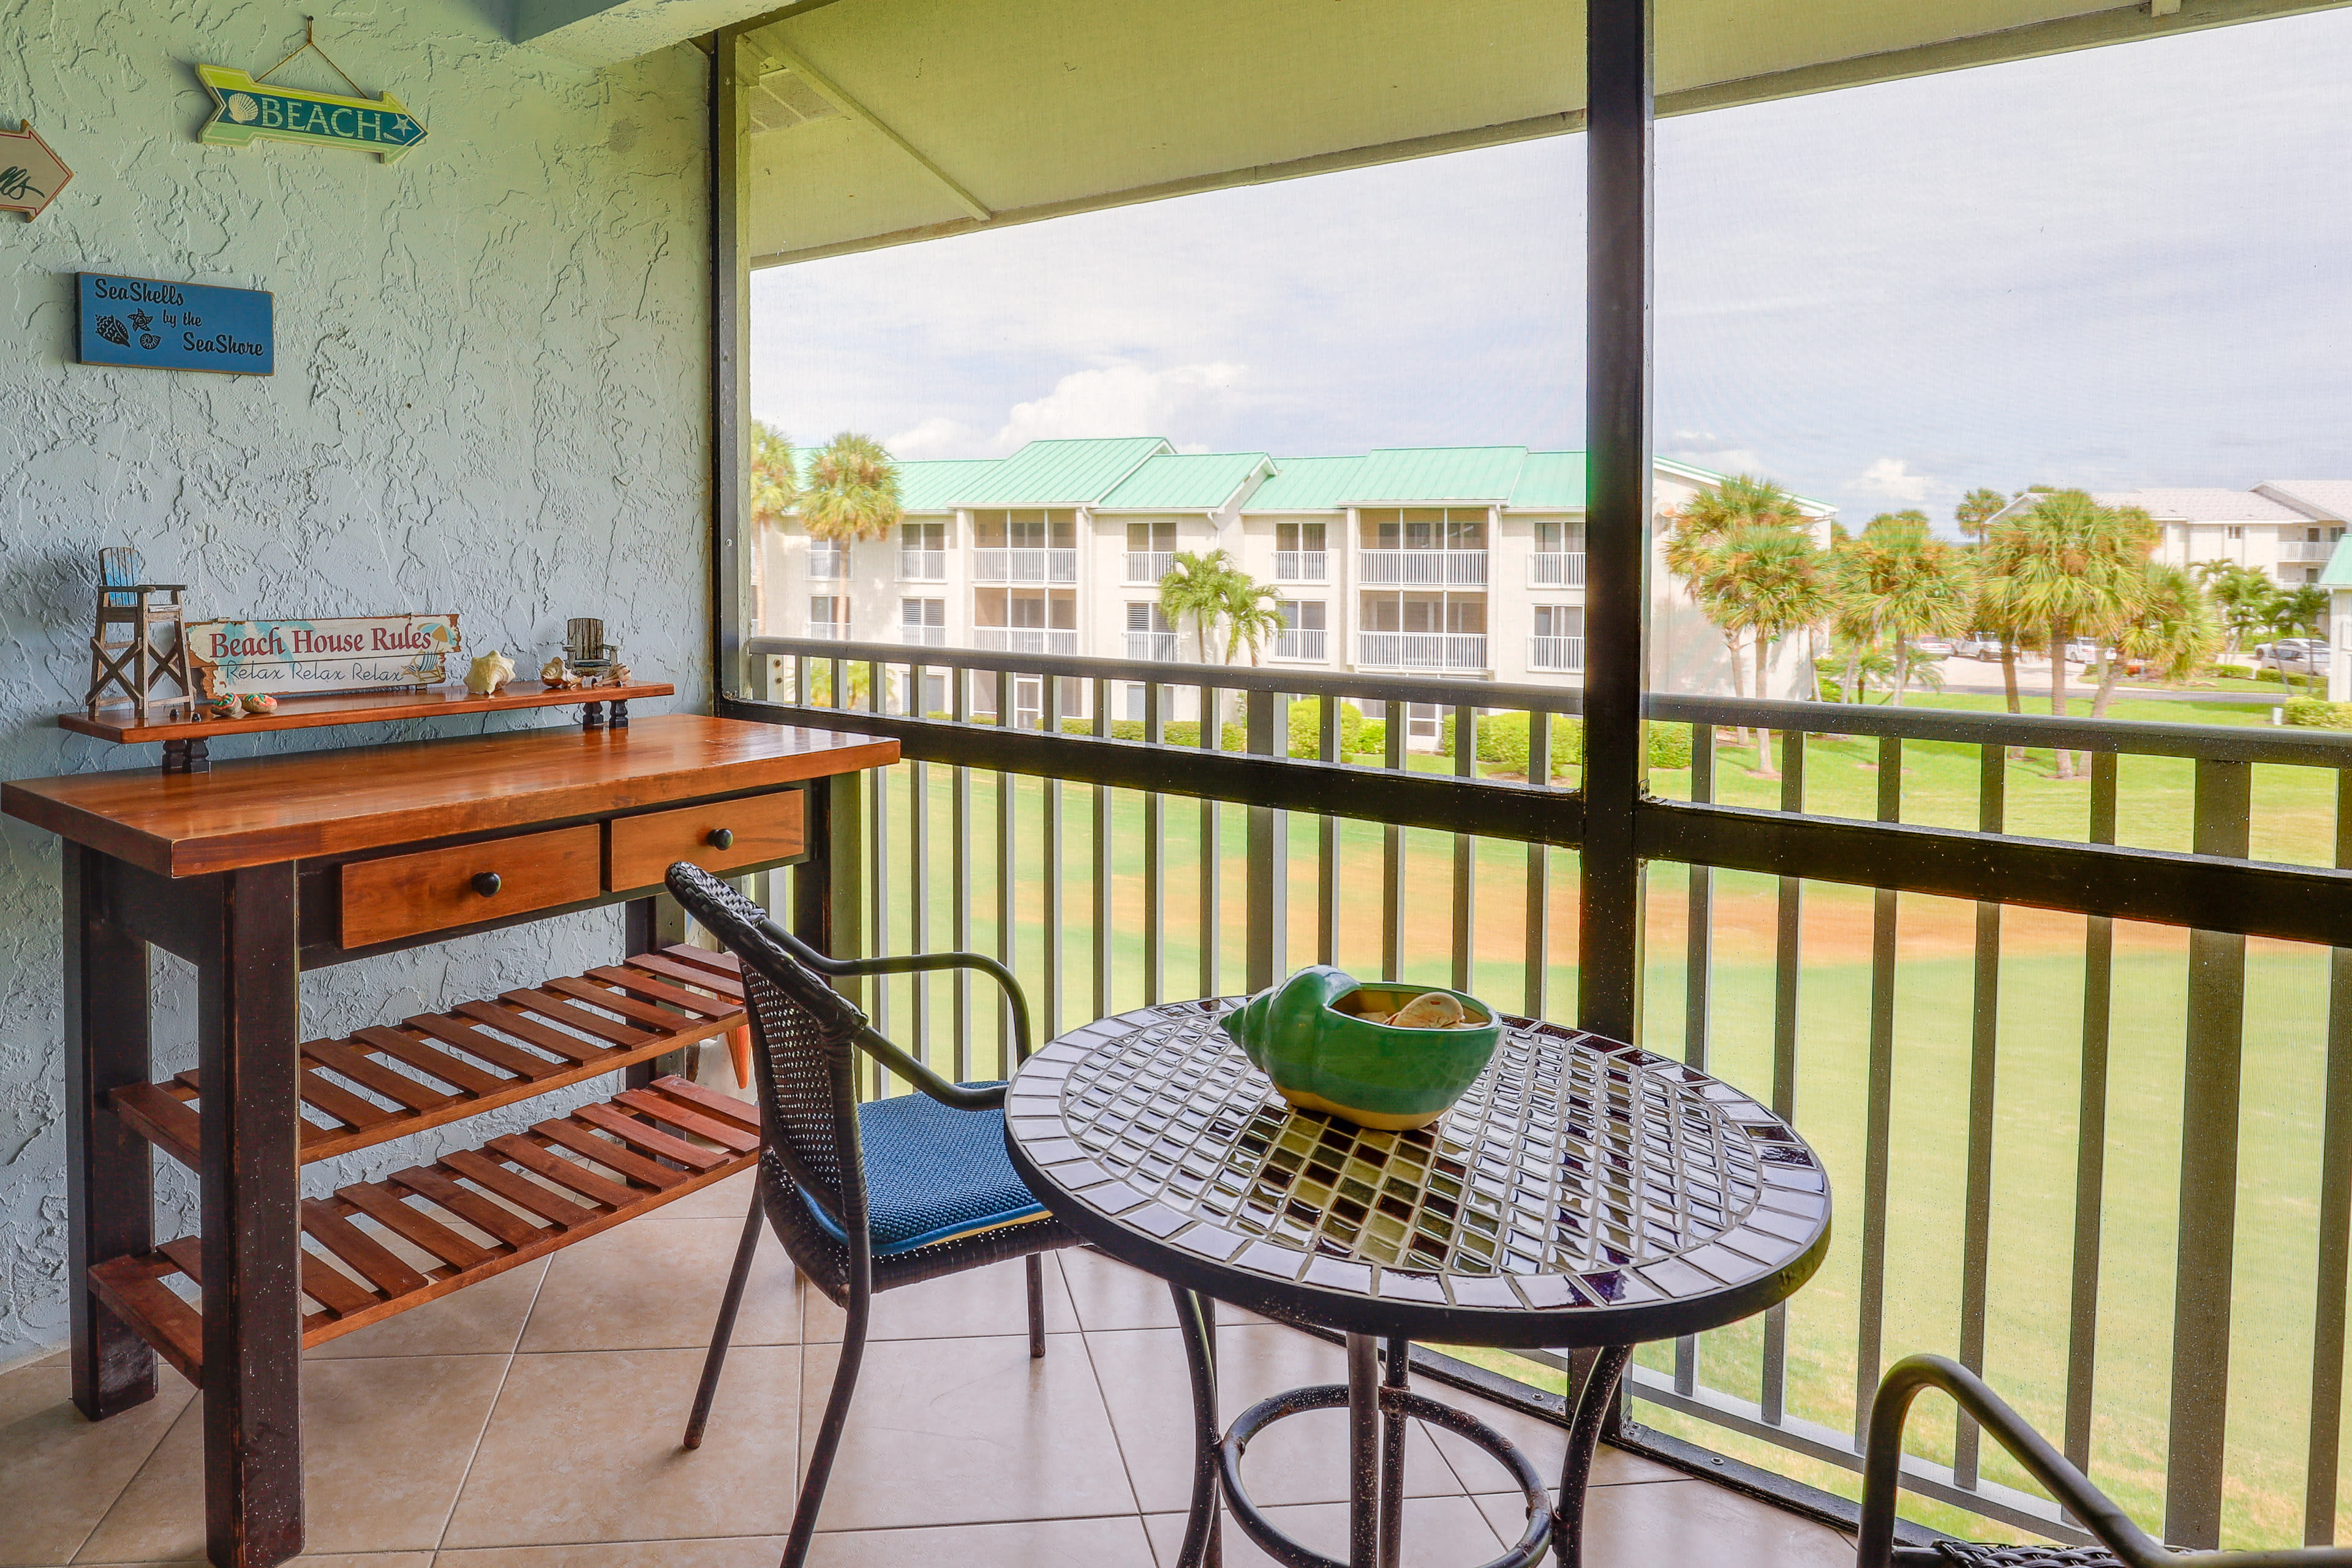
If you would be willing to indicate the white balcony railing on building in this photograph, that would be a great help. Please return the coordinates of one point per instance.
(1159, 646)
(923, 565)
(1301, 566)
(1025, 565)
(2307, 549)
(828, 562)
(1150, 565)
(923, 636)
(1301, 642)
(1024, 640)
(1556, 569)
(832, 631)
(1421, 651)
(1425, 568)
(1555, 653)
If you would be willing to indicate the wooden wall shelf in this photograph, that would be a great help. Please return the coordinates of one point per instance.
(121, 723)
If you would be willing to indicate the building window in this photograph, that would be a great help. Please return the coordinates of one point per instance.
(1302, 629)
(1425, 527)
(1152, 538)
(829, 615)
(1025, 530)
(2235, 531)
(1147, 618)
(1289, 536)
(1148, 635)
(923, 622)
(1561, 537)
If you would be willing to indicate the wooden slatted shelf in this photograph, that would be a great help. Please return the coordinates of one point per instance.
(385, 1083)
(478, 1213)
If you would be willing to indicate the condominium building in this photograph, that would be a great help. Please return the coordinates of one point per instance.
(1460, 562)
(2285, 528)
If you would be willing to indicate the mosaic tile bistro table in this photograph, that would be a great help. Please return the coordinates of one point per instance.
(1584, 1195)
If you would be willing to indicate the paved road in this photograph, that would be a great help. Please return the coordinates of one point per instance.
(1982, 677)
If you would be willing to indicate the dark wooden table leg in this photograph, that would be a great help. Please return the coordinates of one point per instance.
(248, 1026)
(110, 1186)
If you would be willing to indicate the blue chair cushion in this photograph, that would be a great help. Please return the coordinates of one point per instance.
(934, 1174)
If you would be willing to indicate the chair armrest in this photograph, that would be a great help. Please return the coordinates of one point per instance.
(961, 1097)
(1875, 1540)
(916, 963)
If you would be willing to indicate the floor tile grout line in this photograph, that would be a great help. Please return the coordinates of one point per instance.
(135, 1472)
(506, 1373)
(1094, 1373)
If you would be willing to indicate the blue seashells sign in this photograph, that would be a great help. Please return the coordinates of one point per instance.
(154, 325)
(346, 653)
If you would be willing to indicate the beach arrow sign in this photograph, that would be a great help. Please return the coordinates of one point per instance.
(30, 174)
(250, 110)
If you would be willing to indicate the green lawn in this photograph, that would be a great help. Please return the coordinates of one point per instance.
(2038, 1087)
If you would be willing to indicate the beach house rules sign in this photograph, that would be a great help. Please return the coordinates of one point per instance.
(154, 325)
(345, 653)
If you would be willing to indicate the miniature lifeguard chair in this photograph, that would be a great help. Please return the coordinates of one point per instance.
(122, 651)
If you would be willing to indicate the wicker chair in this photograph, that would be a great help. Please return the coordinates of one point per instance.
(868, 1197)
(2122, 1543)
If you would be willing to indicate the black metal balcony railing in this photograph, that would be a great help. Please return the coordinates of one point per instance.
(1945, 1134)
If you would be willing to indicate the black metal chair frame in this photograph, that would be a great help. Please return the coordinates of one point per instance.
(2124, 1541)
(808, 1115)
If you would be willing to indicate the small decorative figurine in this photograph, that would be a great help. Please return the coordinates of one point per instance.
(488, 673)
(258, 702)
(617, 676)
(122, 651)
(585, 649)
(215, 706)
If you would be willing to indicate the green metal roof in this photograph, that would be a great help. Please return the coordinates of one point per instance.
(1060, 473)
(933, 486)
(1436, 474)
(1185, 481)
(1550, 481)
(1305, 484)
(2337, 573)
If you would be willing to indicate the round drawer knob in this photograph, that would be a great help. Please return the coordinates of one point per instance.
(721, 838)
(486, 883)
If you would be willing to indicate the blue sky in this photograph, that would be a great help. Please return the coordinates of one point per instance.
(2121, 268)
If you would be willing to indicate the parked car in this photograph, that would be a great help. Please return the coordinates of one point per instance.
(1933, 647)
(2294, 655)
(1977, 646)
(2083, 651)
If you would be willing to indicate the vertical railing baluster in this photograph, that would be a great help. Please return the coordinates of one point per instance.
(1327, 842)
(1102, 884)
(879, 897)
(2091, 1137)
(1536, 987)
(1788, 973)
(1984, 1040)
(2335, 1224)
(919, 877)
(960, 873)
(2198, 1430)
(1266, 936)
(1466, 854)
(1392, 860)
(1878, 1113)
(1698, 978)
(1211, 871)
(1007, 888)
(1155, 857)
(1050, 788)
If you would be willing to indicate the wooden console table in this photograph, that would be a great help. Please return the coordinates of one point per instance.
(262, 868)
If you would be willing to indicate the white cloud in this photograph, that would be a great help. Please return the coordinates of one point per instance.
(937, 436)
(1705, 449)
(1121, 400)
(1890, 478)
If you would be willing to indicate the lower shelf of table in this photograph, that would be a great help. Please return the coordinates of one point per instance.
(476, 1212)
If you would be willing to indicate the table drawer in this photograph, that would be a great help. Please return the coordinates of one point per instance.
(401, 895)
(719, 836)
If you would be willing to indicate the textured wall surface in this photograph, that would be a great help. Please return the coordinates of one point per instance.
(489, 398)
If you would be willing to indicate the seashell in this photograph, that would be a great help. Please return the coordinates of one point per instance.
(489, 672)
(216, 706)
(1429, 1010)
(555, 674)
(618, 675)
(258, 702)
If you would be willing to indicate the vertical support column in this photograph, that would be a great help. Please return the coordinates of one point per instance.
(1268, 931)
(732, 539)
(109, 1180)
(647, 923)
(248, 1027)
(2209, 1183)
(1618, 164)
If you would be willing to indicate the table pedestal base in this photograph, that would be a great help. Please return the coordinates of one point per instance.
(1378, 1409)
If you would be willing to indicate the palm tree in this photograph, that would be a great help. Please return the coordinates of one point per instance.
(1252, 617)
(2073, 566)
(852, 490)
(1977, 509)
(775, 475)
(2173, 631)
(1898, 582)
(1197, 586)
(2242, 596)
(1696, 553)
(1771, 584)
(2302, 608)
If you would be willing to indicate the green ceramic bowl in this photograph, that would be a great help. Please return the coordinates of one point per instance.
(1323, 1057)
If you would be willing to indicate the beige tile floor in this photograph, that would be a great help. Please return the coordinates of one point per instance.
(533, 1422)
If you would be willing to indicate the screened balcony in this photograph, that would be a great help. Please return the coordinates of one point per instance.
(1024, 640)
(1555, 653)
(1422, 568)
(1025, 565)
(1301, 566)
(923, 565)
(1421, 651)
(1159, 645)
(1149, 565)
(1556, 569)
